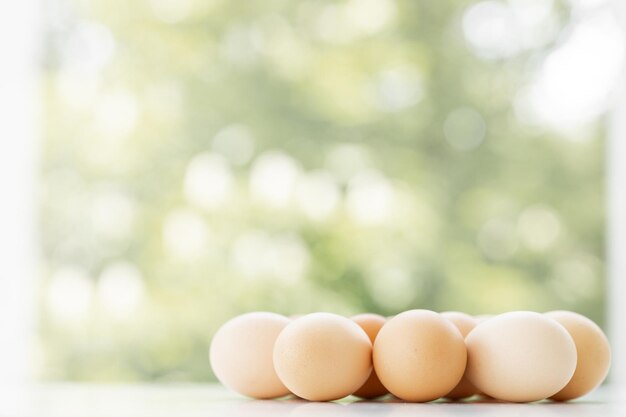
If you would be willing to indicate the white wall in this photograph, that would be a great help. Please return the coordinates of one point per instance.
(18, 132)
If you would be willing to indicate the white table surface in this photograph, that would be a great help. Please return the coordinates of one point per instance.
(214, 401)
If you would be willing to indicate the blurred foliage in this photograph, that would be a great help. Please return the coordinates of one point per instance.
(358, 156)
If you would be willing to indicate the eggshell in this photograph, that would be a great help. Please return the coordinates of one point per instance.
(323, 357)
(371, 323)
(465, 323)
(593, 350)
(419, 356)
(520, 356)
(241, 354)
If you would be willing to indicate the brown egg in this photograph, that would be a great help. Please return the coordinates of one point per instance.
(419, 356)
(323, 357)
(593, 350)
(520, 356)
(480, 318)
(371, 323)
(465, 323)
(241, 354)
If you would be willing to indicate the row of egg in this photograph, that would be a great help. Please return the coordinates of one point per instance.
(417, 356)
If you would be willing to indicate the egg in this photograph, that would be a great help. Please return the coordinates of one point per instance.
(593, 351)
(371, 323)
(465, 323)
(520, 357)
(419, 356)
(241, 354)
(323, 357)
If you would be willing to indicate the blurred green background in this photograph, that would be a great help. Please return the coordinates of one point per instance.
(208, 158)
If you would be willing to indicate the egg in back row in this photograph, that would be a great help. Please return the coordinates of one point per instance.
(418, 355)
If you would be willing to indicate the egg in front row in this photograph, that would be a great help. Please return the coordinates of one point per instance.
(417, 356)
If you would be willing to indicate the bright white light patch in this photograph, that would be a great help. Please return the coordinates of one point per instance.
(208, 181)
(587, 5)
(489, 26)
(113, 214)
(498, 29)
(576, 81)
(370, 198)
(121, 289)
(116, 114)
(185, 234)
(536, 22)
(317, 194)
(369, 16)
(89, 49)
(259, 254)
(77, 88)
(273, 178)
(69, 294)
